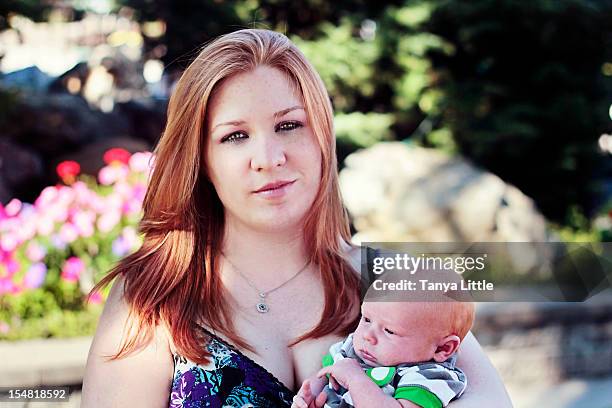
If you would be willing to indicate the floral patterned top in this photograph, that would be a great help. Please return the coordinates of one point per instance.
(231, 379)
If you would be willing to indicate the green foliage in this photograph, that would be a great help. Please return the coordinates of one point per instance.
(523, 92)
(56, 309)
(576, 227)
(333, 55)
(57, 324)
(363, 129)
(443, 139)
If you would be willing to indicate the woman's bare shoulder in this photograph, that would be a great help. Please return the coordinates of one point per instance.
(353, 254)
(142, 378)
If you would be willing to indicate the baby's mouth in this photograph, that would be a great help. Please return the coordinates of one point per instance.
(367, 356)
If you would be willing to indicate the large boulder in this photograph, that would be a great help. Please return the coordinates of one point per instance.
(397, 192)
(146, 117)
(21, 171)
(52, 124)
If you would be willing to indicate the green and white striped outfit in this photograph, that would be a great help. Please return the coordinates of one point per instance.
(429, 384)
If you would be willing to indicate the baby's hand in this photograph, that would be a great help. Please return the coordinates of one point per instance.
(310, 395)
(342, 372)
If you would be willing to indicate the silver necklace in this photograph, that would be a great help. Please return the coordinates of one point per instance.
(262, 306)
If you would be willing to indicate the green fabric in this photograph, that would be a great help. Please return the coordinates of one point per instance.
(388, 377)
(419, 396)
(327, 360)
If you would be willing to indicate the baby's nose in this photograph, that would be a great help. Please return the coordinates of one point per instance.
(369, 337)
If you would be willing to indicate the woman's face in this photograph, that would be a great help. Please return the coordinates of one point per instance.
(261, 153)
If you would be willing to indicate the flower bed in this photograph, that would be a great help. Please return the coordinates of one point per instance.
(54, 250)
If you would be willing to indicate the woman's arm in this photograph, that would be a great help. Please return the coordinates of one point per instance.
(485, 387)
(142, 379)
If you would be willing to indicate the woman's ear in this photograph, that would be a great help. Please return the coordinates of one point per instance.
(446, 347)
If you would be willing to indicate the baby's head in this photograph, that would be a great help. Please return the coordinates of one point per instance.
(413, 328)
(396, 332)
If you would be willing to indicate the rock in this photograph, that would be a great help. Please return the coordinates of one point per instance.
(30, 78)
(52, 124)
(21, 171)
(5, 193)
(56, 123)
(146, 117)
(78, 74)
(396, 192)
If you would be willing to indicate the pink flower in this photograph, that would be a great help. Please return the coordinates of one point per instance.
(119, 247)
(95, 298)
(7, 286)
(83, 221)
(72, 269)
(108, 221)
(139, 191)
(98, 204)
(58, 242)
(66, 197)
(131, 207)
(8, 242)
(68, 170)
(45, 226)
(57, 212)
(4, 327)
(116, 154)
(13, 207)
(106, 176)
(12, 266)
(111, 174)
(27, 231)
(46, 196)
(68, 233)
(140, 162)
(35, 252)
(35, 276)
(126, 242)
(81, 191)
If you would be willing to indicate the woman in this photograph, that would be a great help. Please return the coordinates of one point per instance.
(246, 275)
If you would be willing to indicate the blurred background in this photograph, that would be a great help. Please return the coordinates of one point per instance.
(456, 120)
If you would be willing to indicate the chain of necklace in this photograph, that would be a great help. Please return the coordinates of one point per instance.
(262, 306)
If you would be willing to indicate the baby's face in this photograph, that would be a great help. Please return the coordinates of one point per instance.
(391, 333)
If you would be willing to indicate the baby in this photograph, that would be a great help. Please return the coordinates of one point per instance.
(402, 354)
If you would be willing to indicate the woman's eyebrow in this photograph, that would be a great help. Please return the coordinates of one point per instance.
(230, 123)
(276, 115)
(283, 112)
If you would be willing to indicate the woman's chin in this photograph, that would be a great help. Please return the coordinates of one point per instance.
(280, 219)
(277, 223)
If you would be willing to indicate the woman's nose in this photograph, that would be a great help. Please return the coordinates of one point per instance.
(269, 153)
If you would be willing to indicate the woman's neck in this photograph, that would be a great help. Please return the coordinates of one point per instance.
(266, 255)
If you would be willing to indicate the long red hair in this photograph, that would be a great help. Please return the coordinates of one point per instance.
(173, 278)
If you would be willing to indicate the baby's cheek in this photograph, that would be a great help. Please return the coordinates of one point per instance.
(356, 342)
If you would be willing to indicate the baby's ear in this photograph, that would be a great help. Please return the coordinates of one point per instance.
(446, 347)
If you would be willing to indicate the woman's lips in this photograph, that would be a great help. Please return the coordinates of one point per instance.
(275, 192)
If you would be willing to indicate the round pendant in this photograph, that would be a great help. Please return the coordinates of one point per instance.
(262, 307)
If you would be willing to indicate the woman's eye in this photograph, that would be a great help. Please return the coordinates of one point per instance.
(234, 137)
(389, 331)
(287, 126)
(365, 319)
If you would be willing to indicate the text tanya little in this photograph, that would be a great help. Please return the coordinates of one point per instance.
(424, 284)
